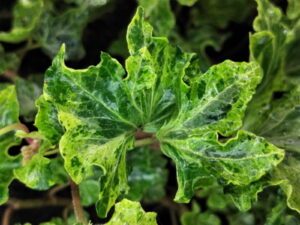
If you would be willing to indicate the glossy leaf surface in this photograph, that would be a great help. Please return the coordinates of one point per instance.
(216, 107)
(100, 110)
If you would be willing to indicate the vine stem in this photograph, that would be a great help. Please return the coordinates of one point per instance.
(15, 126)
(6, 216)
(16, 204)
(78, 210)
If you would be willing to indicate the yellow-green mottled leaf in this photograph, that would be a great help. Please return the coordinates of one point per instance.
(217, 107)
(47, 122)
(159, 15)
(287, 175)
(100, 110)
(40, 173)
(128, 212)
(9, 114)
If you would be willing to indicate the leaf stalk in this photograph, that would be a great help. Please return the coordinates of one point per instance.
(78, 209)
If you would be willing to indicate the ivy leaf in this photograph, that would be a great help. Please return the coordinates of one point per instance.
(89, 3)
(195, 217)
(128, 212)
(27, 92)
(102, 134)
(41, 173)
(147, 175)
(244, 196)
(100, 110)
(281, 124)
(292, 10)
(287, 176)
(47, 122)
(26, 14)
(242, 218)
(89, 190)
(55, 29)
(160, 15)
(217, 108)
(8, 61)
(206, 19)
(9, 111)
(291, 66)
(277, 37)
(187, 2)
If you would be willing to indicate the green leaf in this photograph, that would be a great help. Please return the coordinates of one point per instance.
(276, 216)
(9, 114)
(244, 196)
(8, 61)
(54, 29)
(89, 3)
(89, 190)
(269, 40)
(275, 47)
(147, 175)
(205, 20)
(128, 212)
(100, 110)
(293, 9)
(47, 122)
(26, 14)
(187, 2)
(27, 92)
(217, 107)
(41, 173)
(287, 176)
(281, 125)
(242, 218)
(195, 217)
(159, 14)
(291, 66)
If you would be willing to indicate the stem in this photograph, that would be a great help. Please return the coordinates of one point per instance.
(15, 126)
(10, 74)
(37, 203)
(16, 204)
(78, 210)
(57, 189)
(7, 215)
(143, 142)
(52, 152)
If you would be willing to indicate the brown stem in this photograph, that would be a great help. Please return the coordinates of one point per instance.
(37, 203)
(173, 217)
(57, 189)
(143, 138)
(179, 208)
(16, 204)
(10, 74)
(66, 212)
(78, 210)
(6, 216)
